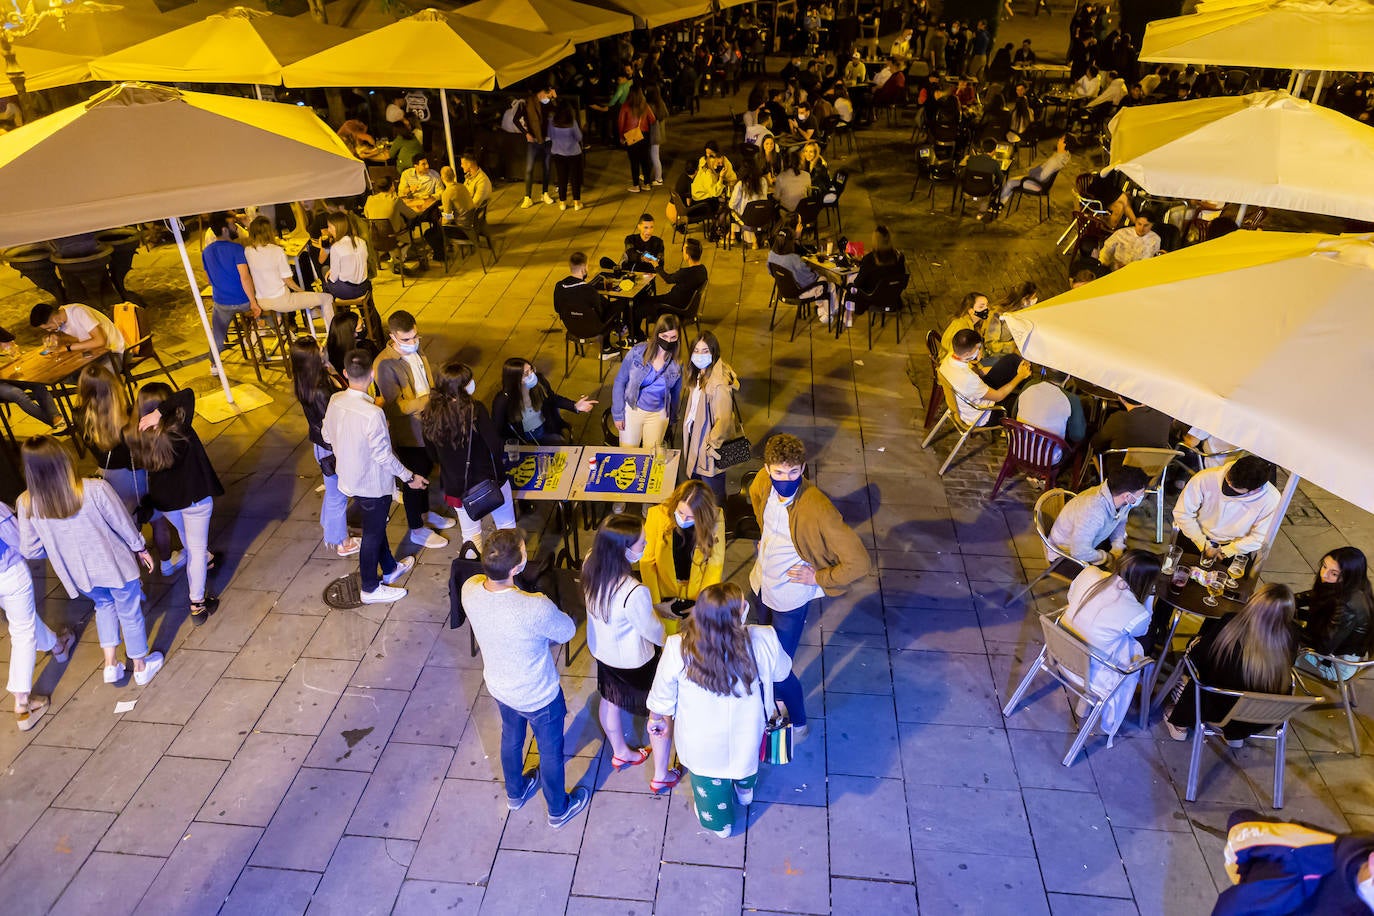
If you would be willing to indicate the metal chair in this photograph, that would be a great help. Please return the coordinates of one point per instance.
(685, 215)
(964, 430)
(1255, 708)
(1343, 685)
(786, 291)
(691, 313)
(757, 217)
(1155, 463)
(936, 400)
(1043, 207)
(809, 213)
(580, 329)
(977, 185)
(830, 198)
(1067, 658)
(1033, 450)
(936, 171)
(1062, 566)
(386, 241)
(884, 299)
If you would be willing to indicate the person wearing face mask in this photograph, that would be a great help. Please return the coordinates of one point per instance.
(404, 380)
(1097, 517)
(1227, 510)
(973, 316)
(684, 547)
(805, 553)
(460, 438)
(527, 409)
(647, 388)
(997, 339)
(624, 635)
(708, 418)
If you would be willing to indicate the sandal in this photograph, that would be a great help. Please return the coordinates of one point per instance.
(63, 650)
(622, 763)
(200, 610)
(27, 717)
(659, 786)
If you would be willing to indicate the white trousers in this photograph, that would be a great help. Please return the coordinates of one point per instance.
(643, 428)
(193, 527)
(29, 635)
(503, 516)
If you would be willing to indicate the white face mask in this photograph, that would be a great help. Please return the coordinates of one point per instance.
(471, 387)
(683, 522)
(634, 555)
(701, 360)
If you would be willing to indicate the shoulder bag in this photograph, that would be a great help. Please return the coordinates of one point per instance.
(776, 746)
(483, 497)
(738, 449)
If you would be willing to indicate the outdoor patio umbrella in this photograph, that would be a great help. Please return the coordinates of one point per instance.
(1267, 149)
(1285, 34)
(240, 45)
(577, 22)
(44, 69)
(650, 14)
(433, 50)
(1261, 338)
(98, 33)
(142, 153)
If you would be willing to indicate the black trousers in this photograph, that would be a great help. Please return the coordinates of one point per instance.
(416, 502)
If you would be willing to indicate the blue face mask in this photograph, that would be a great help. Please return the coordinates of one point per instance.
(408, 348)
(683, 522)
(701, 360)
(531, 380)
(786, 488)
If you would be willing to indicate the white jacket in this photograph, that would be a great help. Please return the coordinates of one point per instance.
(628, 638)
(1110, 622)
(1238, 523)
(1086, 521)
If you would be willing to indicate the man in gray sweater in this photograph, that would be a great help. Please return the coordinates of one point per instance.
(516, 630)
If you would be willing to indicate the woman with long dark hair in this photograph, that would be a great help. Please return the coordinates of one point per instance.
(644, 398)
(708, 415)
(1110, 611)
(526, 408)
(347, 332)
(750, 187)
(1338, 613)
(182, 484)
(315, 382)
(636, 120)
(461, 439)
(90, 541)
(714, 688)
(1252, 649)
(624, 635)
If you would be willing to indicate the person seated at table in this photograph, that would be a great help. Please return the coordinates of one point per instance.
(880, 264)
(1112, 96)
(360, 143)
(810, 284)
(804, 125)
(838, 97)
(1045, 405)
(686, 281)
(769, 158)
(1337, 614)
(855, 70)
(576, 300)
(1091, 527)
(404, 147)
(1252, 649)
(385, 204)
(793, 184)
(1110, 610)
(420, 180)
(346, 256)
(1039, 175)
(967, 97)
(231, 282)
(643, 250)
(973, 393)
(35, 400)
(73, 328)
(527, 409)
(814, 164)
(1109, 190)
(1213, 451)
(712, 181)
(684, 547)
(973, 315)
(1129, 244)
(1136, 426)
(1228, 510)
(1088, 85)
(750, 187)
(890, 68)
(762, 127)
(274, 283)
(892, 90)
(459, 204)
(1024, 56)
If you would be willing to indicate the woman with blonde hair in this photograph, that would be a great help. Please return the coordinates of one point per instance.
(90, 541)
(684, 547)
(276, 286)
(624, 635)
(814, 164)
(714, 689)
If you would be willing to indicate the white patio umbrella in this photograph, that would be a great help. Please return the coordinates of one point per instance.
(143, 153)
(1266, 149)
(1283, 34)
(1261, 338)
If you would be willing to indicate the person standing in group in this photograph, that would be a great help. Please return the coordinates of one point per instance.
(182, 483)
(315, 384)
(684, 547)
(516, 630)
(274, 283)
(624, 635)
(355, 428)
(714, 689)
(81, 527)
(805, 553)
(404, 381)
(29, 634)
(347, 332)
(526, 408)
(531, 120)
(636, 120)
(347, 257)
(658, 132)
(647, 388)
(565, 144)
(708, 418)
(460, 438)
(231, 281)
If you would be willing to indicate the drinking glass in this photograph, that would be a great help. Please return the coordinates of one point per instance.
(1207, 559)
(1171, 559)
(1180, 579)
(1216, 584)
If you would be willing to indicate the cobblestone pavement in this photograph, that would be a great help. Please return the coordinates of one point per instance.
(291, 756)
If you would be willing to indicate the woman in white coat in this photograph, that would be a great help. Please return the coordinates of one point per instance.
(1110, 611)
(715, 681)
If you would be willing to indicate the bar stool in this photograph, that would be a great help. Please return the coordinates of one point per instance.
(367, 311)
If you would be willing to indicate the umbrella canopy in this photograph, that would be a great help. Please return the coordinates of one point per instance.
(239, 45)
(44, 69)
(1259, 338)
(139, 153)
(97, 33)
(577, 22)
(1266, 148)
(432, 50)
(1285, 34)
(651, 14)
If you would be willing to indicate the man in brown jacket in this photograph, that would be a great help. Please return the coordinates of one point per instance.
(403, 379)
(806, 551)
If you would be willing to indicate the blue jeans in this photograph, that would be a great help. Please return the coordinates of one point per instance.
(533, 152)
(334, 511)
(34, 400)
(717, 484)
(119, 610)
(220, 319)
(376, 552)
(547, 724)
(789, 626)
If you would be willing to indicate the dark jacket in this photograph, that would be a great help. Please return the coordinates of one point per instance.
(505, 416)
(458, 471)
(191, 477)
(576, 300)
(1226, 673)
(1143, 427)
(1336, 625)
(685, 282)
(1291, 870)
(636, 248)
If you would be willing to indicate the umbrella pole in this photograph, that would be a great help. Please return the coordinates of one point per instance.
(1288, 490)
(200, 307)
(1317, 90)
(448, 131)
(258, 89)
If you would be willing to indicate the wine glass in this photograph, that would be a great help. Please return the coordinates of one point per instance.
(1216, 584)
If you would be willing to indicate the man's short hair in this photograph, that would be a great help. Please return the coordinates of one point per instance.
(383, 184)
(1125, 479)
(219, 222)
(1250, 473)
(400, 322)
(1083, 276)
(646, 217)
(468, 156)
(577, 259)
(972, 298)
(501, 552)
(965, 342)
(784, 450)
(357, 364)
(41, 314)
(693, 249)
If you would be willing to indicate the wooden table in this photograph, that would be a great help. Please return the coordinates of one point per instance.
(608, 474)
(31, 366)
(609, 283)
(838, 269)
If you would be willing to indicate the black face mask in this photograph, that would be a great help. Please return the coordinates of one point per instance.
(980, 315)
(668, 347)
(1228, 490)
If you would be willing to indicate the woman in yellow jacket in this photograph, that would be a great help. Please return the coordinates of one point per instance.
(684, 548)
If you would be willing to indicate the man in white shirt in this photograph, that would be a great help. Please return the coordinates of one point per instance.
(354, 428)
(971, 394)
(1112, 95)
(77, 327)
(1228, 510)
(396, 108)
(420, 180)
(1130, 243)
(1096, 516)
(1046, 405)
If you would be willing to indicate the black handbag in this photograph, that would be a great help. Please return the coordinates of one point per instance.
(483, 497)
(737, 449)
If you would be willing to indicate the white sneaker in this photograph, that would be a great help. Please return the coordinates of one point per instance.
(152, 664)
(657, 182)
(562, 205)
(744, 796)
(349, 548)
(426, 538)
(178, 560)
(440, 522)
(114, 673)
(547, 198)
(577, 205)
(526, 204)
(383, 594)
(633, 189)
(403, 566)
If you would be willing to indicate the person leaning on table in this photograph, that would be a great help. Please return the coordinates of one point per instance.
(1228, 510)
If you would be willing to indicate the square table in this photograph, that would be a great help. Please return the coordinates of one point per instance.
(544, 473)
(34, 366)
(609, 474)
(624, 289)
